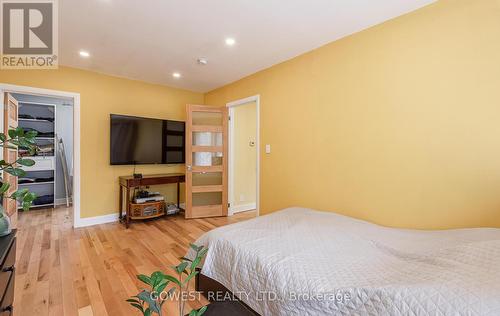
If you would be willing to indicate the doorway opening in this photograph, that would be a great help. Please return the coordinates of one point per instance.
(244, 155)
(54, 115)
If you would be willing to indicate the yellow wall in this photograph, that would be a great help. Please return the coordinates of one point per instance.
(244, 118)
(398, 124)
(100, 96)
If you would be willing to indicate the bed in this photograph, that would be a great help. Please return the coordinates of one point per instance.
(304, 262)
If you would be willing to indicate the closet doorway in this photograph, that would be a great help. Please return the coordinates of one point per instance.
(52, 115)
(244, 155)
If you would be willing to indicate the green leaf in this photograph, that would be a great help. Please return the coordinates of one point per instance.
(161, 286)
(147, 312)
(203, 252)
(26, 162)
(31, 134)
(181, 267)
(17, 172)
(138, 306)
(156, 278)
(195, 263)
(146, 296)
(172, 279)
(20, 131)
(132, 300)
(201, 311)
(3, 138)
(190, 276)
(5, 186)
(19, 194)
(195, 248)
(12, 133)
(144, 279)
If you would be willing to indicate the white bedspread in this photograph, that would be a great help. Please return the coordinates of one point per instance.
(303, 262)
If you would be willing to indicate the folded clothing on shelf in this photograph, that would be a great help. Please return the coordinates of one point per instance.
(44, 199)
(39, 133)
(50, 119)
(35, 180)
(26, 116)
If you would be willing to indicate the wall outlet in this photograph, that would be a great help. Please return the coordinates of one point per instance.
(268, 149)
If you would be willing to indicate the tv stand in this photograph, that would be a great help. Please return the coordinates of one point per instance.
(129, 182)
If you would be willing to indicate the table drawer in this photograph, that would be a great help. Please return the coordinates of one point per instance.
(7, 268)
(8, 297)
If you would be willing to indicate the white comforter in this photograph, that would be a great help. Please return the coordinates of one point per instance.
(303, 262)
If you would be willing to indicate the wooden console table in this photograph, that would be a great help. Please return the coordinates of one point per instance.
(129, 182)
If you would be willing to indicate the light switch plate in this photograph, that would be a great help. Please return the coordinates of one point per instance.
(268, 149)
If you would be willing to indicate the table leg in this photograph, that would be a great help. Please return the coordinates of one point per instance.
(178, 194)
(120, 202)
(127, 216)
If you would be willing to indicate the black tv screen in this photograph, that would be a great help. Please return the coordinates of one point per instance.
(140, 140)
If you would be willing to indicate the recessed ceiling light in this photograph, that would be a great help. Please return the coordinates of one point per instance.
(176, 75)
(84, 54)
(202, 61)
(230, 41)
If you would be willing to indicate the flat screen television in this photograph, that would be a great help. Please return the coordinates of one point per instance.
(140, 140)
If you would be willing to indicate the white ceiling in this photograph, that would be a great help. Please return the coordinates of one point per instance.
(149, 40)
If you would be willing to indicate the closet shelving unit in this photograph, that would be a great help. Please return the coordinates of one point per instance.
(41, 177)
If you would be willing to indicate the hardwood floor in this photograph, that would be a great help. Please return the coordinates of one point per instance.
(92, 270)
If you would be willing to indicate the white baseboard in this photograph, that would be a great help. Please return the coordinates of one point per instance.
(63, 201)
(103, 219)
(89, 221)
(242, 208)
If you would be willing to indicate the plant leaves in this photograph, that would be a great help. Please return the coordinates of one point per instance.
(172, 279)
(195, 248)
(146, 296)
(189, 277)
(5, 186)
(201, 311)
(195, 263)
(12, 133)
(138, 306)
(156, 278)
(17, 172)
(181, 267)
(31, 134)
(144, 279)
(26, 162)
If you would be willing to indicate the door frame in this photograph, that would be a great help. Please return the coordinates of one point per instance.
(77, 221)
(231, 106)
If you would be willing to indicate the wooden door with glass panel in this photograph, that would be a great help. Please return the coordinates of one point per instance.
(11, 107)
(206, 161)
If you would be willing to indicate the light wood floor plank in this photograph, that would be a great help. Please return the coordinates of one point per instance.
(91, 271)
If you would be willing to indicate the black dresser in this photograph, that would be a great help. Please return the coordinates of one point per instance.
(7, 275)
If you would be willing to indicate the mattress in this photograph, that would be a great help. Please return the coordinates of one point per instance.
(303, 262)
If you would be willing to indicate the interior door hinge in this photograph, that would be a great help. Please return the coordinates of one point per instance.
(229, 118)
(228, 204)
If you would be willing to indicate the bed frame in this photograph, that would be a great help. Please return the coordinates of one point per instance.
(205, 284)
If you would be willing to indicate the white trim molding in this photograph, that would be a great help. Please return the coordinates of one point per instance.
(231, 106)
(96, 220)
(243, 208)
(76, 137)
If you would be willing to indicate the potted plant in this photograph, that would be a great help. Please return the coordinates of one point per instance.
(150, 301)
(15, 139)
